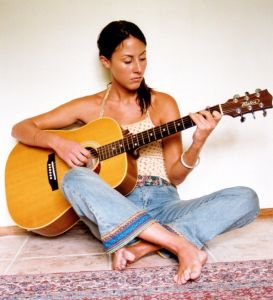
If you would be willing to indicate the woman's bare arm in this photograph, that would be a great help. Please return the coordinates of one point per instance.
(167, 110)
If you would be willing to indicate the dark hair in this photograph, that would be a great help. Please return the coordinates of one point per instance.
(110, 38)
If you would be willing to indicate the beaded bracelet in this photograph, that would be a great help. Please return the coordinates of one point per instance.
(186, 165)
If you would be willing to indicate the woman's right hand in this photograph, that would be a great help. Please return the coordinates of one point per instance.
(72, 153)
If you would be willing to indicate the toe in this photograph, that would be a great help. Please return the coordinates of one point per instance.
(187, 274)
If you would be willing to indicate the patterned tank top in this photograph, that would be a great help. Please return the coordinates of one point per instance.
(151, 159)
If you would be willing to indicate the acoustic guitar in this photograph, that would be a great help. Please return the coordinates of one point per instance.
(33, 175)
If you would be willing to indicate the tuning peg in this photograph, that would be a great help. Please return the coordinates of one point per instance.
(246, 96)
(250, 109)
(261, 105)
(258, 91)
(242, 118)
(236, 97)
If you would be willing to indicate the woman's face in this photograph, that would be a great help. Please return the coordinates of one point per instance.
(128, 63)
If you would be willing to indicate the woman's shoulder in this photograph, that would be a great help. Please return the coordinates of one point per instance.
(84, 108)
(88, 102)
(161, 99)
(94, 99)
(164, 107)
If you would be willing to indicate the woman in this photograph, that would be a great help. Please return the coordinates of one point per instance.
(152, 213)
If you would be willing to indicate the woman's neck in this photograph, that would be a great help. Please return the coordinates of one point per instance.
(121, 94)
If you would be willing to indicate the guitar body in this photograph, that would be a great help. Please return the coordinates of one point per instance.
(34, 205)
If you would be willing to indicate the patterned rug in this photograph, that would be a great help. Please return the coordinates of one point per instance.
(232, 280)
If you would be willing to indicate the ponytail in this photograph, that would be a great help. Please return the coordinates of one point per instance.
(144, 96)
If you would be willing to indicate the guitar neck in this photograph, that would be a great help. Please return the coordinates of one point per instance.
(135, 141)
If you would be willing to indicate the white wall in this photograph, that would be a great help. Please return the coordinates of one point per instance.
(200, 51)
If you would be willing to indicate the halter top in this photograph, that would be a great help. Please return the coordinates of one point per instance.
(151, 159)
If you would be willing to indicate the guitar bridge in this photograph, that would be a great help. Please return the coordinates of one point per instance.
(52, 172)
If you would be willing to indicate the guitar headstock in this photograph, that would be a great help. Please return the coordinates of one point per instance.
(239, 106)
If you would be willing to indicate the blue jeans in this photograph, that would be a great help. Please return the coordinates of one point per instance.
(117, 220)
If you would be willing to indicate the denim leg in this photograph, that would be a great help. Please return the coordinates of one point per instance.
(119, 221)
(211, 215)
(199, 220)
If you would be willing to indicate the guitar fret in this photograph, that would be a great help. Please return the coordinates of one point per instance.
(112, 149)
(175, 126)
(106, 151)
(109, 150)
(154, 135)
(126, 143)
(131, 142)
(101, 153)
(161, 129)
(180, 123)
(122, 146)
(118, 147)
(115, 148)
(168, 129)
(135, 143)
(146, 136)
(151, 134)
(183, 124)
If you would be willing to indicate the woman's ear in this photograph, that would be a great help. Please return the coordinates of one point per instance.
(105, 61)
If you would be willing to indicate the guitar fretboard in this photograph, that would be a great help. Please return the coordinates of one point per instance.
(132, 142)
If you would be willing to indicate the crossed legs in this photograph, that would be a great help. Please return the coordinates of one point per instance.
(191, 259)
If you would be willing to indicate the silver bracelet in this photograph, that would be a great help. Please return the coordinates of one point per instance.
(186, 165)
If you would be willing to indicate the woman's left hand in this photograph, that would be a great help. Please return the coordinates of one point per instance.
(206, 123)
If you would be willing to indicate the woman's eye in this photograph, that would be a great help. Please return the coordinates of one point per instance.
(127, 62)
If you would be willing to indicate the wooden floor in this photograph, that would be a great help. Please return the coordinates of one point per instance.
(77, 250)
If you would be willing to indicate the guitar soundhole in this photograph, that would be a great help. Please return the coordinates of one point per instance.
(93, 161)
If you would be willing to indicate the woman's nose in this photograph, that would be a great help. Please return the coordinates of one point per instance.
(137, 67)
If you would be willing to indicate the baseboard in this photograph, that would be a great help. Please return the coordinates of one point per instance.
(266, 212)
(15, 230)
(11, 230)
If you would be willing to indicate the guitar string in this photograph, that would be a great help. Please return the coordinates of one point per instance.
(117, 147)
(132, 141)
(170, 126)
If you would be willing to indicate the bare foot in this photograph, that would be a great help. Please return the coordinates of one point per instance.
(121, 258)
(130, 254)
(191, 261)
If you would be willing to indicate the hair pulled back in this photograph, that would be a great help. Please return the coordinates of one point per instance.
(111, 36)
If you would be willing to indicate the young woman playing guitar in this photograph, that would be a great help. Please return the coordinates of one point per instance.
(151, 217)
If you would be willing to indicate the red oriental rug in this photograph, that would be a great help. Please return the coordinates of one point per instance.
(231, 280)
